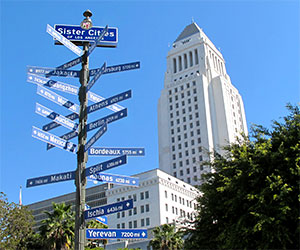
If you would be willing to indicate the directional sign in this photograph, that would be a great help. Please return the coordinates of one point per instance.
(46, 112)
(94, 44)
(108, 209)
(96, 77)
(95, 137)
(53, 140)
(60, 100)
(53, 178)
(117, 68)
(56, 35)
(116, 151)
(96, 98)
(101, 219)
(109, 101)
(116, 179)
(65, 87)
(78, 35)
(52, 71)
(118, 161)
(93, 125)
(93, 233)
(67, 65)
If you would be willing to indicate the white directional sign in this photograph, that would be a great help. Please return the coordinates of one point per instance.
(46, 112)
(64, 40)
(53, 140)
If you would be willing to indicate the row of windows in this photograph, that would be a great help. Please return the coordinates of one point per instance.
(187, 162)
(218, 65)
(182, 103)
(143, 195)
(188, 93)
(180, 200)
(192, 133)
(187, 171)
(134, 211)
(134, 224)
(186, 143)
(186, 153)
(182, 213)
(181, 88)
(182, 62)
(183, 111)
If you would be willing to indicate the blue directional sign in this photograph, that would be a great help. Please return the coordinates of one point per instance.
(52, 71)
(115, 179)
(109, 101)
(116, 151)
(118, 161)
(96, 98)
(60, 100)
(117, 68)
(95, 137)
(56, 35)
(93, 125)
(67, 65)
(53, 178)
(101, 219)
(93, 233)
(108, 209)
(68, 88)
(46, 112)
(96, 77)
(78, 35)
(53, 140)
(94, 44)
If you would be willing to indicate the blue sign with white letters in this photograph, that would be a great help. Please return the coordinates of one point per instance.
(53, 178)
(96, 42)
(95, 137)
(96, 77)
(116, 151)
(101, 219)
(115, 179)
(108, 209)
(46, 112)
(76, 34)
(118, 161)
(93, 125)
(93, 233)
(65, 87)
(117, 68)
(53, 140)
(52, 71)
(60, 100)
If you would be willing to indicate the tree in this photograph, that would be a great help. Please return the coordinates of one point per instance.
(165, 238)
(16, 224)
(91, 243)
(252, 199)
(58, 229)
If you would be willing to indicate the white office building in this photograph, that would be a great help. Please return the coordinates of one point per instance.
(199, 109)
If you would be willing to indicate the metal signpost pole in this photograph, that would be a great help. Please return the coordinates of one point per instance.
(82, 156)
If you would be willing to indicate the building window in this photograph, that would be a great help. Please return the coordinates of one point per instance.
(180, 164)
(194, 160)
(185, 61)
(166, 194)
(185, 135)
(198, 131)
(147, 207)
(188, 171)
(167, 220)
(190, 109)
(147, 194)
(166, 207)
(135, 224)
(170, 92)
(180, 155)
(130, 212)
(174, 165)
(174, 157)
(173, 139)
(175, 174)
(192, 142)
(171, 107)
(142, 222)
(191, 58)
(134, 197)
(187, 162)
(179, 146)
(181, 87)
(193, 151)
(194, 91)
(189, 180)
(123, 214)
(123, 225)
(196, 57)
(179, 137)
(142, 209)
(118, 215)
(181, 172)
(174, 65)
(186, 153)
(147, 221)
(199, 140)
(180, 63)
(195, 98)
(201, 168)
(118, 226)
(134, 210)
(184, 119)
(195, 169)
(200, 149)
(172, 123)
(182, 103)
(130, 224)
(200, 158)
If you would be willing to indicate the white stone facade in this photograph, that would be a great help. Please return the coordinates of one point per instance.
(199, 110)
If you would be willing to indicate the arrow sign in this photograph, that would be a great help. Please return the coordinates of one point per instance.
(97, 41)
(93, 233)
(78, 35)
(117, 68)
(53, 140)
(52, 71)
(64, 40)
(108, 209)
(53, 178)
(67, 65)
(50, 95)
(109, 101)
(101, 219)
(116, 151)
(116, 179)
(93, 125)
(43, 111)
(95, 137)
(61, 86)
(118, 161)
(96, 77)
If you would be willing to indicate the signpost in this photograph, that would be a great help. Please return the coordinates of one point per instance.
(89, 37)
(92, 233)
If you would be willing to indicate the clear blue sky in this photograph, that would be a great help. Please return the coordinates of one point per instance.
(258, 39)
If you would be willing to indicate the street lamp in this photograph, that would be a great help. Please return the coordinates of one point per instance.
(87, 22)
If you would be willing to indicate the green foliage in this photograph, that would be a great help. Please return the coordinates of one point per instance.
(252, 200)
(58, 229)
(165, 238)
(15, 224)
(91, 243)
